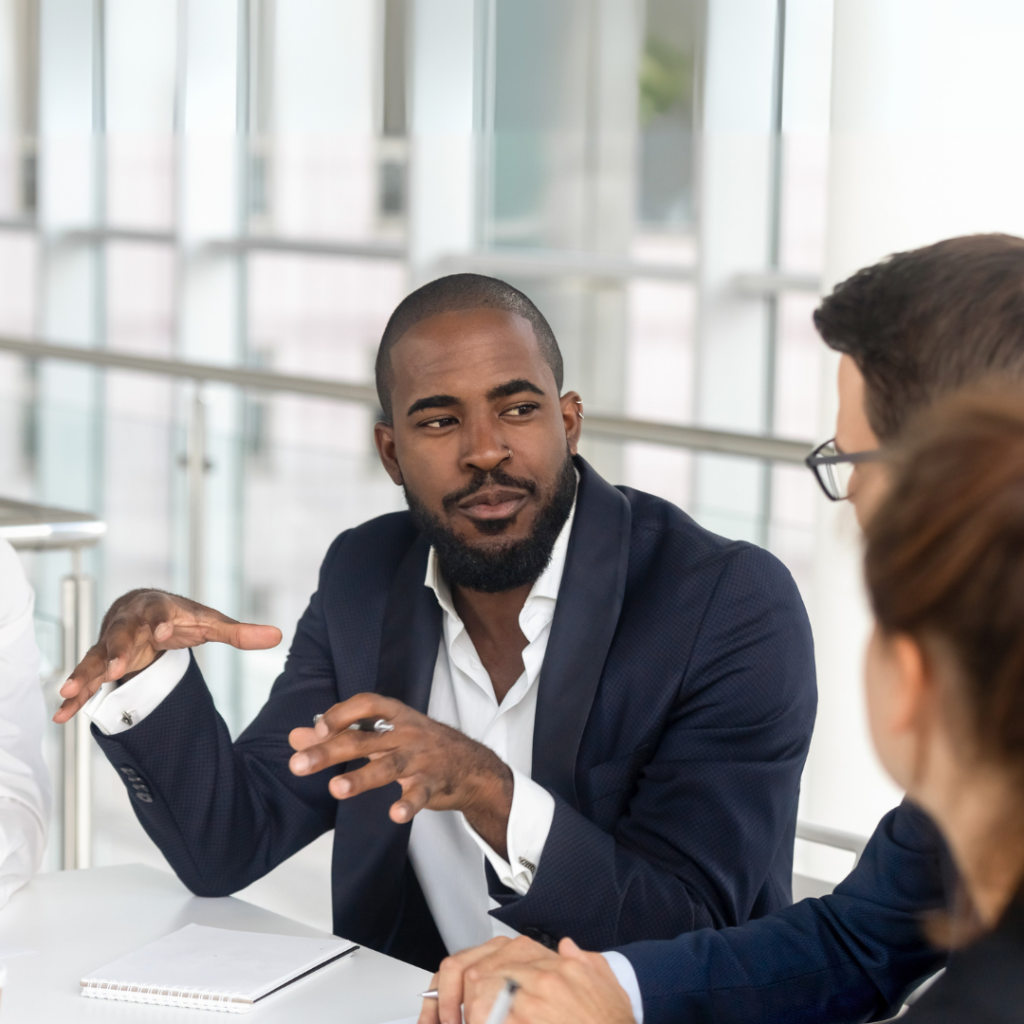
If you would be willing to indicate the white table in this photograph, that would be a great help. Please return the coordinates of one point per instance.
(80, 920)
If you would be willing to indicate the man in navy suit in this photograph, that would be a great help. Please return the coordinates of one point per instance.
(574, 710)
(910, 329)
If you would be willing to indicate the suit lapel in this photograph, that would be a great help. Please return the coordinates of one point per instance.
(410, 634)
(370, 850)
(586, 615)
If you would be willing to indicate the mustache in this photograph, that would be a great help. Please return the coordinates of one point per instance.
(496, 476)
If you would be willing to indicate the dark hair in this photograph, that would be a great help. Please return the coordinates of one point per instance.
(924, 323)
(451, 293)
(945, 558)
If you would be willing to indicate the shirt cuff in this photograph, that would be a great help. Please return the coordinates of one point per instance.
(529, 822)
(626, 977)
(115, 710)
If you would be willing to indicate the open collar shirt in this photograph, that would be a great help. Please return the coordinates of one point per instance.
(447, 854)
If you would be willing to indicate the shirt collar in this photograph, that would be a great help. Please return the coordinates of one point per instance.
(545, 586)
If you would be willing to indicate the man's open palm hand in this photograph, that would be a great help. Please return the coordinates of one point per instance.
(142, 624)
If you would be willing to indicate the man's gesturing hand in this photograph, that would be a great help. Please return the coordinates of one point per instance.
(143, 624)
(436, 766)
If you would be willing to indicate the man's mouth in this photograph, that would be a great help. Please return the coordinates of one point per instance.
(493, 503)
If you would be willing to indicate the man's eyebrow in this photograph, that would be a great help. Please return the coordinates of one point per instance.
(513, 387)
(433, 402)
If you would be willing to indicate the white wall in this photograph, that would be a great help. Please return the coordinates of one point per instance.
(927, 142)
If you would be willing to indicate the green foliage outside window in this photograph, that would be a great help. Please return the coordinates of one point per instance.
(666, 77)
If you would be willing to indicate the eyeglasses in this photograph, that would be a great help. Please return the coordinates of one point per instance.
(833, 468)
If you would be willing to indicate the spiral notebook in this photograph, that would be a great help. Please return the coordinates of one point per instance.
(203, 968)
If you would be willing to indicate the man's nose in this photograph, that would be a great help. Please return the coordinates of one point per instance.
(485, 448)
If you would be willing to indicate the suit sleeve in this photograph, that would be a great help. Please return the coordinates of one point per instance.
(851, 956)
(223, 813)
(705, 830)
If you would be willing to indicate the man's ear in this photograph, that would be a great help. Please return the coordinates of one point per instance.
(572, 418)
(384, 439)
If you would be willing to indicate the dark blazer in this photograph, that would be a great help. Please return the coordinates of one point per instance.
(984, 983)
(675, 707)
(854, 955)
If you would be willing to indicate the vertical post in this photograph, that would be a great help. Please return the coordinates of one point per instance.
(196, 472)
(76, 620)
(774, 256)
(735, 173)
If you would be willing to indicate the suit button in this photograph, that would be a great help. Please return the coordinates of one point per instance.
(141, 786)
(145, 798)
(130, 774)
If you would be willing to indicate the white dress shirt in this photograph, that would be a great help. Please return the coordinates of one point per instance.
(24, 780)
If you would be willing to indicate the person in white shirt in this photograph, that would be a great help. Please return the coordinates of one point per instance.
(24, 780)
(594, 713)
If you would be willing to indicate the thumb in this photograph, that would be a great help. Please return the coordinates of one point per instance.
(570, 950)
(251, 637)
(246, 636)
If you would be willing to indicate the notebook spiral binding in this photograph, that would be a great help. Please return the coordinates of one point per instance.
(160, 995)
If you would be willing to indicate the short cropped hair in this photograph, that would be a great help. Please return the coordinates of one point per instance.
(447, 295)
(924, 323)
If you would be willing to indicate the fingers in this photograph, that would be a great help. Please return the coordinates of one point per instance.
(377, 773)
(341, 747)
(330, 741)
(246, 636)
(415, 796)
(105, 661)
(429, 1012)
(476, 1007)
(363, 705)
(450, 977)
(138, 626)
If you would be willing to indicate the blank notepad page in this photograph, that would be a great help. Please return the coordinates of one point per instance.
(212, 968)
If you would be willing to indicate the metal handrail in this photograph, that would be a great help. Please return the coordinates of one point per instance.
(542, 263)
(562, 263)
(31, 527)
(756, 446)
(835, 837)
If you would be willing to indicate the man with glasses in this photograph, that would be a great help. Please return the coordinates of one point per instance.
(910, 329)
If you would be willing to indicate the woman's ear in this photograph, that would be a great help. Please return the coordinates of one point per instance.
(913, 683)
(898, 693)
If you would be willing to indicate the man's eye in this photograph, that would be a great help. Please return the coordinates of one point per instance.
(522, 410)
(441, 421)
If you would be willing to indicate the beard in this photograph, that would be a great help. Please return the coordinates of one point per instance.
(504, 566)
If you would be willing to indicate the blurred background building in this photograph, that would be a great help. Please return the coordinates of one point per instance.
(251, 186)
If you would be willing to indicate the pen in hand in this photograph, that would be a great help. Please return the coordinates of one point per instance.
(502, 1003)
(378, 725)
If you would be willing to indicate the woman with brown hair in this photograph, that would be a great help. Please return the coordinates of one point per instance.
(945, 680)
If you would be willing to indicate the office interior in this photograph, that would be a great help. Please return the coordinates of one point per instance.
(208, 209)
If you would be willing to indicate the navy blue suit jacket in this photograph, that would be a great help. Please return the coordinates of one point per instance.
(675, 706)
(851, 956)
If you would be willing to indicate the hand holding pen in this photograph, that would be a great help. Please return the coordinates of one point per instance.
(522, 982)
(437, 767)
